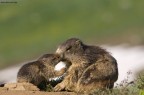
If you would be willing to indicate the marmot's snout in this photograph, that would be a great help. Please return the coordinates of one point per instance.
(58, 51)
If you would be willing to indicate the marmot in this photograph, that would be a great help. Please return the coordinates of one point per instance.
(92, 67)
(40, 70)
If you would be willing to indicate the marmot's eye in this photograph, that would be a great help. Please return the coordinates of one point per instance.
(68, 49)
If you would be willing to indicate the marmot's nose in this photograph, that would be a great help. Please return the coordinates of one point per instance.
(58, 51)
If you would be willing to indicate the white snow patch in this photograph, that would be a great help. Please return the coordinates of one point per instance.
(129, 59)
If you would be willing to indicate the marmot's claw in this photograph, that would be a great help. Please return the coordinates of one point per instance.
(58, 88)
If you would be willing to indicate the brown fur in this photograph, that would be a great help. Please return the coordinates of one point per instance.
(41, 70)
(92, 67)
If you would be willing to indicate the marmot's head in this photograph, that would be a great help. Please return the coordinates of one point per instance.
(71, 48)
(50, 59)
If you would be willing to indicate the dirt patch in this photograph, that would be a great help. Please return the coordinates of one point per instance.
(10, 92)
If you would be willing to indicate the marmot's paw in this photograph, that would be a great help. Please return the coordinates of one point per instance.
(59, 87)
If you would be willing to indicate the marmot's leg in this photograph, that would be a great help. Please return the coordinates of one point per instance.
(98, 76)
(69, 82)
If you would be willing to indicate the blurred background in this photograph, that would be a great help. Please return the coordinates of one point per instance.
(29, 29)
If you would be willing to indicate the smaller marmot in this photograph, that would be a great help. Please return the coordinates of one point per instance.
(41, 70)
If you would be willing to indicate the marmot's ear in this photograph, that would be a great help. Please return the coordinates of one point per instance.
(78, 42)
(43, 60)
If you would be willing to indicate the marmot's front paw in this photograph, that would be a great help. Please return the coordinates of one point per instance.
(59, 87)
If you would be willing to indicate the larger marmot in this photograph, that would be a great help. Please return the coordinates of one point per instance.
(40, 70)
(92, 67)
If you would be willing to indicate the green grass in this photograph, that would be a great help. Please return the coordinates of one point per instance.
(31, 28)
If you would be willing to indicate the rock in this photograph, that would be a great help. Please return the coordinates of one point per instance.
(10, 85)
(21, 86)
